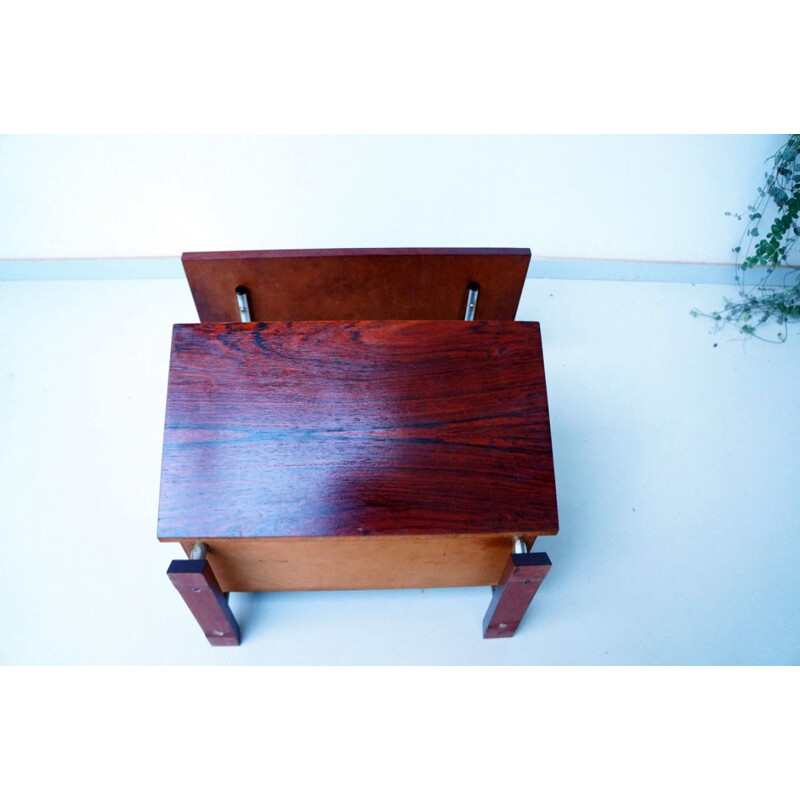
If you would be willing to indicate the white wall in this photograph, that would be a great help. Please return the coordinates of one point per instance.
(616, 197)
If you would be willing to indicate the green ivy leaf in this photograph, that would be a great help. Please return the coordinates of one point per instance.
(760, 303)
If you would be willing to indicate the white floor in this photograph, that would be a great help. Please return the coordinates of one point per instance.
(676, 464)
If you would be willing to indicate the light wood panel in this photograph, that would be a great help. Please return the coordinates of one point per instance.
(358, 562)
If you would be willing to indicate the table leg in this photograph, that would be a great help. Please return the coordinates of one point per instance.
(198, 586)
(521, 577)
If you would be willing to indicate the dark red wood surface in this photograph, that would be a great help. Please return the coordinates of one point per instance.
(521, 579)
(388, 283)
(356, 429)
(198, 586)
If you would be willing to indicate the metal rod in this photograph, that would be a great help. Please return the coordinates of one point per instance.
(244, 306)
(199, 550)
(472, 301)
(519, 545)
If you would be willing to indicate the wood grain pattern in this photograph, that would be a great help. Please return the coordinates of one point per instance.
(521, 579)
(389, 283)
(356, 429)
(197, 585)
(358, 562)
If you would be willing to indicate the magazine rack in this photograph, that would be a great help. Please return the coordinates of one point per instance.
(315, 446)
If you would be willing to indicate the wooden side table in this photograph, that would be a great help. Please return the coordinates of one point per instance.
(356, 455)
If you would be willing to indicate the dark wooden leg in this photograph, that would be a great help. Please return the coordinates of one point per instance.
(522, 576)
(195, 581)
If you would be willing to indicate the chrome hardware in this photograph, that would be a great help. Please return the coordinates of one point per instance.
(472, 301)
(244, 306)
(199, 550)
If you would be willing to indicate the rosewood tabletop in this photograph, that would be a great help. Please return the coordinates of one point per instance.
(356, 429)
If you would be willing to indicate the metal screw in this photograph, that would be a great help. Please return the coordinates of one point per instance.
(503, 625)
(195, 588)
(218, 633)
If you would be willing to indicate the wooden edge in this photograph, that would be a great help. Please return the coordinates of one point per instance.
(519, 582)
(210, 328)
(187, 542)
(350, 252)
(195, 581)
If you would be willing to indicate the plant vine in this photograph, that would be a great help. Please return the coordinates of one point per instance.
(766, 300)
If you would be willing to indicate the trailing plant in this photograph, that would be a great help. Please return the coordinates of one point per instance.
(777, 204)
